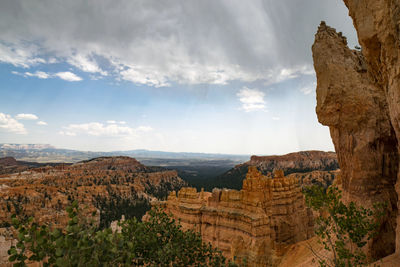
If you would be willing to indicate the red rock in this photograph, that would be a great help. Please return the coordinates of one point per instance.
(358, 96)
(257, 223)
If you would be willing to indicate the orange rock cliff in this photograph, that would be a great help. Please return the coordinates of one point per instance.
(255, 224)
(358, 96)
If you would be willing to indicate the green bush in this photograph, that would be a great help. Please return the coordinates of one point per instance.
(342, 229)
(158, 241)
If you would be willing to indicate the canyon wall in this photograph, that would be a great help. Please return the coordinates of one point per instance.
(358, 96)
(111, 185)
(297, 162)
(108, 186)
(378, 28)
(255, 224)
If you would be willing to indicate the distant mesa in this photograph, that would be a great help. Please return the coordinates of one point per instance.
(25, 146)
(120, 163)
(324, 163)
(8, 161)
(47, 153)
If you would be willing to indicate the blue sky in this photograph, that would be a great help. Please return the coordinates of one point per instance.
(210, 76)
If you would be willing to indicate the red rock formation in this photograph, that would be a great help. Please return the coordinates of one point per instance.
(45, 192)
(303, 160)
(105, 185)
(10, 165)
(322, 178)
(257, 223)
(8, 161)
(358, 97)
(6, 241)
(377, 24)
(120, 163)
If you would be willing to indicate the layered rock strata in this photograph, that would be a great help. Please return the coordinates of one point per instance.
(297, 162)
(320, 178)
(108, 186)
(255, 224)
(358, 96)
(378, 28)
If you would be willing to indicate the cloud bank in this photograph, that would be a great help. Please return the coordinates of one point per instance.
(160, 43)
(111, 129)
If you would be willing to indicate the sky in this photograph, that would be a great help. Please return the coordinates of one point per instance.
(211, 76)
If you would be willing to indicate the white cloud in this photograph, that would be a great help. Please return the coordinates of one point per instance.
(52, 60)
(26, 116)
(309, 88)
(85, 63)
(20, 55)
(144, 128)
(155, 45)
(252, 99)
(11, 125)
(67, 133)
(189, 73)
(99, 129)
(116, 122)
(39, 74)
(42, 123)
(276, 118)
(145, 76)
(68, 76)
(107, 130)
(280, 74)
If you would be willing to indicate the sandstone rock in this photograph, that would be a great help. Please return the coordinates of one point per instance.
(104, 185)
(120, 163)
(301, 162)
(257, 223)
(11, 165)
(321, 178)
(6, 241)
(297, 161)
(377, 24)
(353, 100)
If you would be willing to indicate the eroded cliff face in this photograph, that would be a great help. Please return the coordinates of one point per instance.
(321, 178)
(257, 223)
(378, 28)
(111, 185)
(357, 97)
(300, 162)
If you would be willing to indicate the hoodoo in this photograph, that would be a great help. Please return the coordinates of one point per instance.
(358, 96)
(255, 224)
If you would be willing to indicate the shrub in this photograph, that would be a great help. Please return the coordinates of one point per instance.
(158, 241)
(342, 229)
